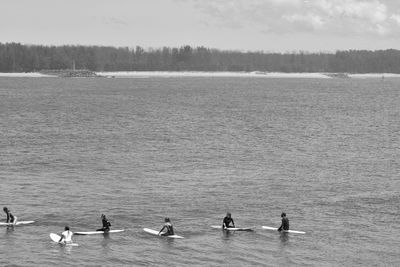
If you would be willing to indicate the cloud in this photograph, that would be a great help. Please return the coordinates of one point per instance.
(396, 18)
(373, 11)
(309, 20)
(342, 17)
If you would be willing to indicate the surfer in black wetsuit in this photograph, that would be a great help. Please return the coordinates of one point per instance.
(285, 223)
(168, 226)
(10, 218)
(227, 221)
(106, 224)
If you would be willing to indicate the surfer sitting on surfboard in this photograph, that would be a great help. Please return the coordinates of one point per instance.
(285, 223)
(10, 218)
(227, 221)
(106, 224)
(168, 226)
(66, 235)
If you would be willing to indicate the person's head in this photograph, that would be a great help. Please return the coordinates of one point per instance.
(228, 214)
(167, 219)
(5, 209)
(283, 214)
(103, 216)
(66, 228)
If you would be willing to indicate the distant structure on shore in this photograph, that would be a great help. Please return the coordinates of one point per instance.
(72, 73)
(338, 75)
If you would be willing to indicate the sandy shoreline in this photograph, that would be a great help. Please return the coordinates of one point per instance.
(167, 74)
(143, 74)
(24, 74)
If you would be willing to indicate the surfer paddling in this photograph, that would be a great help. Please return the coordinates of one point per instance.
(285, 223)
(227, 221)
(168, 226)
(10, 218)
(106, 224)
(66, 236)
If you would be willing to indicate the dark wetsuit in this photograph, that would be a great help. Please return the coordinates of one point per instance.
(284, 225)
(106, 225)
(227, 221)
(10, 217)
(170, 229)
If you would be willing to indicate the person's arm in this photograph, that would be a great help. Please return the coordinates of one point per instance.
(162, 229)
(223, 224)
(280, 227)
(15, 219)
(233, 223)
(61, 238)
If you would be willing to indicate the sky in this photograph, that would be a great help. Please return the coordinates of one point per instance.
(244, 25)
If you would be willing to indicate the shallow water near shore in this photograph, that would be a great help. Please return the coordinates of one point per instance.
(325, 151)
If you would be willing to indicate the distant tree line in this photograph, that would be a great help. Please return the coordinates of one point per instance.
(16, 57)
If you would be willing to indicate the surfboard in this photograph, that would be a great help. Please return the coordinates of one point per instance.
(18, 223)
(154, 232)
(56, 238)
(97, 232)
(276, 229)
(232, 228)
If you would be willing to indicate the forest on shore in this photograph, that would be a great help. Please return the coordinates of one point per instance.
(16, 57)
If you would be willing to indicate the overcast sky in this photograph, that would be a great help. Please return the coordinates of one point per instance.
(269, 25)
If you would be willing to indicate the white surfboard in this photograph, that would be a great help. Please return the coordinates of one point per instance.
(232, 228)
(154, 232)
(17, 223)
(97, 232)
(56, 238)
(276, 229)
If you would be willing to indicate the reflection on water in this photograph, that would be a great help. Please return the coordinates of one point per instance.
(227, 234)
(60, 249)
(284, 237)
(67, 249)
(10, 229)
(106, 240)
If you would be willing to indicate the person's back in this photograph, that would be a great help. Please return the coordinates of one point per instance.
(227, 221)
(66, 236)
(106, 224)
(168, 226)
(285, 223)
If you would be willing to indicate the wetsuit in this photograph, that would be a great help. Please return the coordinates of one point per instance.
(227, 221)
(169, 227)
(106, 225)
(10, 217)
(285, 224)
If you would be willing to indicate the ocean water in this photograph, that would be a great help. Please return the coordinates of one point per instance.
(325, 151)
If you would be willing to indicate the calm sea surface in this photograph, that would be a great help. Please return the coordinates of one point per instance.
(325, 151)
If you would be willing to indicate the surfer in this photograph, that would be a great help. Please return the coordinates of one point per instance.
(66, 235)
(285, 223)
(106, 224)
(168, 226)
(10, 218)
(227, 221)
